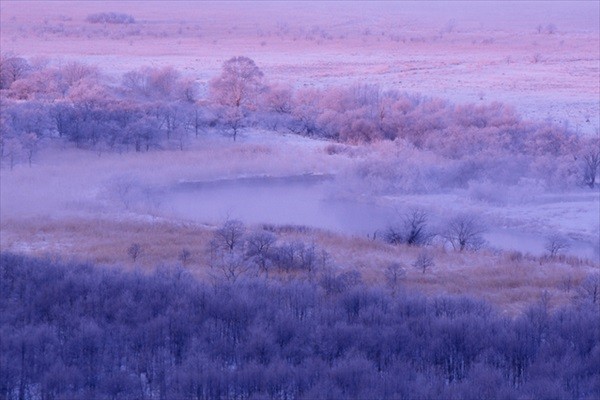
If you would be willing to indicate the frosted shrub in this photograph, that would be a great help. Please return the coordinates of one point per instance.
(134, 251)
(110, 18)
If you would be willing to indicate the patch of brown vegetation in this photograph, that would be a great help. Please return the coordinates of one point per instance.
(500, 278)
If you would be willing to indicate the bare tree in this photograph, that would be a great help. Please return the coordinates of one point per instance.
(424, 261)
(125, 189)
(591, 162)
(394, 275)
(231, 265)
(230, 236)
(556, 244)
(134, 251)
(415, 223)
(258, 246)
(232, 118)
(392, 235)
(464, 232)
(11, 148)
(412, 230)
(30, 145)
(184, 256)
(590, 288)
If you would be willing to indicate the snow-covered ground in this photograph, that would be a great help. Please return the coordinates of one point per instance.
(544, 60)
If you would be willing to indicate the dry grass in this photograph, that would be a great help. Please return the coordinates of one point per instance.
(500, 279)
(104, 241)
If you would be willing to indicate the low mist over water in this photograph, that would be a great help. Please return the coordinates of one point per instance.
(307, 200)
(314, 201)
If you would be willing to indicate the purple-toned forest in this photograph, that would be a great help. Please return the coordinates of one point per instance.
(299, 200)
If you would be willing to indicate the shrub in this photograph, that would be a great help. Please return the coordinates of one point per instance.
(110, 18)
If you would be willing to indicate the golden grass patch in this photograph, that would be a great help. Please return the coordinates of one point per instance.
(496, 278)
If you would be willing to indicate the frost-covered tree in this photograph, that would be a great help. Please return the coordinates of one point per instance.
(424, 261)
(412, 230)
(556, 244)
(236, 90)
(12, 69)
(464, 232)
(590, 161)
(258, 249)
(230, 236)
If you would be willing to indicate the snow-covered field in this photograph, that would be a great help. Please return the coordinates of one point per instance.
(545, 62)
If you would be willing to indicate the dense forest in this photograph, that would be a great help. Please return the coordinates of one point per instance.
(80, 331)
(153, 108)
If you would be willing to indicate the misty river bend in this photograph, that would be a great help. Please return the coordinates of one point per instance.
(309, 200)
(291, 200)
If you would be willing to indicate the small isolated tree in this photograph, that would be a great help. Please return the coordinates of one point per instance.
(134, 251)
(556, 244)
(236, 90)
(184, 256)
(424, 261)
(464, 232)
(394, 275)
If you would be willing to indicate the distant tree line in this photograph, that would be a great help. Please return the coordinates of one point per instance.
(78, 331)
(153, 108)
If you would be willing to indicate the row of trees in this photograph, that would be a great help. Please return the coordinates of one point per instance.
(78, 331)
(158, 107)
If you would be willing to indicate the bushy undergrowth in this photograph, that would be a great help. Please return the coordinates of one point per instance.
(78, 331)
